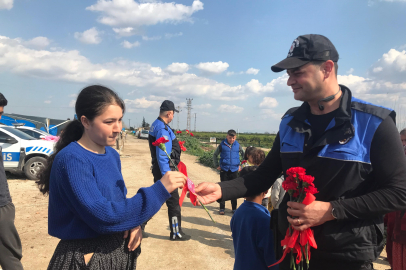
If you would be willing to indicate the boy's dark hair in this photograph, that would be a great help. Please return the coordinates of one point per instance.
(258, 156)
(248, 151)
(3, 100)
(247, 170)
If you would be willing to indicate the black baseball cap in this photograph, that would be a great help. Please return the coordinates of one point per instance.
(305, 49)
(231, 132)
(168, 105)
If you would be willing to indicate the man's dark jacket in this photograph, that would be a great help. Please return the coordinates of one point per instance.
(359, 166)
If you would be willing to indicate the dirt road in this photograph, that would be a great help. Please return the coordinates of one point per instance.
(211, 246)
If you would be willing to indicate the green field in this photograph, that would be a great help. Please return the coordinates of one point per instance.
(245, 139)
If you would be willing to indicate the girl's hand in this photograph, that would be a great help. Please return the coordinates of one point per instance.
(173, 180)
(135, 238)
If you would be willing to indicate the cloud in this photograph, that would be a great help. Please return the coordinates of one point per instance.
(350, 71)
(230, 108)
(269, 113)
(38, 42)
(202, 106)
(128, 45)
(6, 4)
(390, 67)
(70, 66)
(213, 67)
(169, 35)
(178, 67)
(90, 36)
(72, 103)
(47, 101)
(268, 102)
(252, 71)
(126, 31)
(231, 73)
(129, 13)
(151, 38)
(276, 85)
(141, 103)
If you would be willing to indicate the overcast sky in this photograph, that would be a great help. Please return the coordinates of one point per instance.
(217, 52)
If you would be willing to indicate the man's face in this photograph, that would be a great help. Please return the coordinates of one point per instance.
(170, 116)
(1, 111)
(306, 82)
(231, 139)
(403, 139)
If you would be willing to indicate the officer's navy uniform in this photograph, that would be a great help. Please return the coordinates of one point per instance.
(161, 164)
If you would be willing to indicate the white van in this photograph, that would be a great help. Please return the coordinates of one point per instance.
(23, 153)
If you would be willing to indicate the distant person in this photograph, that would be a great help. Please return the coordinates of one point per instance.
(255, 157)
(245, 162)
(161, 164)
(229, 150)
(10, 243)
(396, 231)
(403, 139)
(252, 238)
(98, 225)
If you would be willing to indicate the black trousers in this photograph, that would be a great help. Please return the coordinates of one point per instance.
(227, 176)
(10, 244)
(174, 213)
(328, 265)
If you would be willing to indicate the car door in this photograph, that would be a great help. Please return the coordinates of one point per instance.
(11, 150)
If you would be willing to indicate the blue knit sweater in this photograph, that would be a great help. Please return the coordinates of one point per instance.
(87, 195)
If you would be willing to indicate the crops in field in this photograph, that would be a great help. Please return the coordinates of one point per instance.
(245, 139)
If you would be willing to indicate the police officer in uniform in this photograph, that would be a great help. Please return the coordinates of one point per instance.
(161, 164)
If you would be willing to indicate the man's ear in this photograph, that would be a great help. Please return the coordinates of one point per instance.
(327, 68)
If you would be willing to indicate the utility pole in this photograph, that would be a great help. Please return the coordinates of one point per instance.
(189, 112)
(179, 110)
(195, 122)
(129, 126)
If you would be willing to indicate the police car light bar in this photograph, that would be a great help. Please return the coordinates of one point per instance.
(18, 124)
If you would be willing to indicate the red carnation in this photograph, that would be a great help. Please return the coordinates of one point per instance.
(182, 147)
(307, 179)
(289, 185)
(244, 161)
(159, 141)
(311, 189)
(178, 132)
(294, 171)
(191, 134)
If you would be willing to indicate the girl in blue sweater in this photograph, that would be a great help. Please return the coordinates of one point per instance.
(88, 210)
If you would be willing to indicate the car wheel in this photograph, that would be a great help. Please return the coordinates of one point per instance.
(33, 167)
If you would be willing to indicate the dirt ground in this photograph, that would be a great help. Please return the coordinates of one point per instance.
(211, 246)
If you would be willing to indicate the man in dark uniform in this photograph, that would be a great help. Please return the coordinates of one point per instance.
(352, 149)
(10, 244)
(161, 164)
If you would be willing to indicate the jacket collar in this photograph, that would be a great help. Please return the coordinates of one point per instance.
(341, 123)
(166, 125)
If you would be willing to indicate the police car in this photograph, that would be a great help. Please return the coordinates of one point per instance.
(23, 153)
(33, 132)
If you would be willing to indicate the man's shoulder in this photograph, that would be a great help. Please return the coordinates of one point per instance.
(370, 108)
(290, 112)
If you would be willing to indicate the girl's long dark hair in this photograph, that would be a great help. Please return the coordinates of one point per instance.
(91, 102)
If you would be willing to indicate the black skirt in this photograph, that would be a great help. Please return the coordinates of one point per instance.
(110, 253)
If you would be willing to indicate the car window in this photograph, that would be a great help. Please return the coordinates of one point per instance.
(18, 133)
(31, 133)
(4, 135)
(145, 132)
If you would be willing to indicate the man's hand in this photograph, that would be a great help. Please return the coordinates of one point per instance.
(135, 238)
(218, 168)
(208, 192)
(311, 215)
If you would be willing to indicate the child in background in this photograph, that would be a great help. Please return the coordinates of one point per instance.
(255, 157)
(252, 237)
(245, 162)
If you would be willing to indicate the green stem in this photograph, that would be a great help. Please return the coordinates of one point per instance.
(307, 254)
(176, 167)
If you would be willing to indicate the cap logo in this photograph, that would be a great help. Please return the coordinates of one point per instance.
(295, 44)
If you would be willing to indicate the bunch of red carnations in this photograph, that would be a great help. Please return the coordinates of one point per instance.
(301, 189)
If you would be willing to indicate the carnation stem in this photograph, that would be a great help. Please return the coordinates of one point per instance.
(176, 167)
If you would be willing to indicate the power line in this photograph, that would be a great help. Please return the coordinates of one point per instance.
(189, 111)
